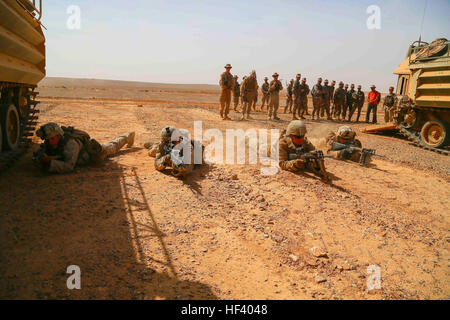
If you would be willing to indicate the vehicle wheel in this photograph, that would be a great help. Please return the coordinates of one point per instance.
(434, 134)
(10, 122)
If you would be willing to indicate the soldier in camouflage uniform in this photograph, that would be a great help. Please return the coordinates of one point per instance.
(339, 100)
(172, 137)
(226, 85)
(327, 99)
(303, 99)
(390, 105)
(265, 93)
(249, 88)
(358, 102)
(331, 88)
(290, 140)
(274, 88)
(289, 100)
(318, 95)
(296, 95)
(344, 135)
(242, 92)
(64, 148)
(348, 101)
(236, 92)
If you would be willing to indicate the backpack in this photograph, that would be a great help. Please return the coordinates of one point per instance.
(90, 146)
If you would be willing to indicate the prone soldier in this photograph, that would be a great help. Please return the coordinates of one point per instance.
(64, 148)
(296, 153)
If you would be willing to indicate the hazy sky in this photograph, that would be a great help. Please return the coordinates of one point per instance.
(179, 41)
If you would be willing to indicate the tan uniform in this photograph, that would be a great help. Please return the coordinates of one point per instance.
(325, 108)
(289, 98)
(226, 84)
(300, 92)
(339, 100)
(342, 154)
(274, 102)
(265, 94)
(318, 99)
(162, 157)
(73, 154)
(390, 107)
(236, 94)
(249, 91)
(286, 147)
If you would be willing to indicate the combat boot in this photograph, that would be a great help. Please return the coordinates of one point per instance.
(130, 139)
(294, 117)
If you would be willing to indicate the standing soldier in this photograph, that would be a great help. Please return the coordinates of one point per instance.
(236, 92)
(265, 92)
(390, 104)
(65, 148)
(373, 99)
(317, 93)
(339, 100)
(327, 99)
(349, 102)
(289, 100)
(242, 92)
(358, 102)
(296, 94)
(274, 88)
(226, 83)
(331, 88)
(303, 99)
(249, 89)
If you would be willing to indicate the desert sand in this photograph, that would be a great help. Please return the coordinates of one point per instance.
(225, 231)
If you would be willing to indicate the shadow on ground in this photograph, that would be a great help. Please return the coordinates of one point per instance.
(49, 222)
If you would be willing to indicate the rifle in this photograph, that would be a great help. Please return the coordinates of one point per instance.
(313, 159)
(40, 154)
(365, 153)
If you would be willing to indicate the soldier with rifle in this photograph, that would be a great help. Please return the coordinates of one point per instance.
(343, 145)
(64, 148)
(296, 153)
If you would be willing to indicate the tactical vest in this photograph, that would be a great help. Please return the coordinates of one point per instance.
(389, 100)
(91, 150)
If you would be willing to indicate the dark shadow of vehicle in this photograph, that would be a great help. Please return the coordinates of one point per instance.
(86, 218)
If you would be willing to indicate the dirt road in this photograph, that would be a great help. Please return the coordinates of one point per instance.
(226, 231)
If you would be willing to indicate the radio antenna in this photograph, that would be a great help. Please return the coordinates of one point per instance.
(423, 18)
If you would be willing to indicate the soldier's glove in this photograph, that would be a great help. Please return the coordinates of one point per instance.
(298, 163)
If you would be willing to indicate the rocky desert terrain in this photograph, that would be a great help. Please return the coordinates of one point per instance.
(226, 231)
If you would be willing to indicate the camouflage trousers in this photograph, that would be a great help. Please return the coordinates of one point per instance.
(300, 106)
(345, 108)
(113, 147)
(289, 103)
(325, 108)
(317, 106)
(355, 107)
(274, 103)
(265, 100)
(338, 106)
(225, 101)
(250, 103)
(236, 102)
(389, 114)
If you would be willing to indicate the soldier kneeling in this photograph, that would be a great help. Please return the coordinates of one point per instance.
(64, 148)
(343, 145)
(175, 151)
(297, 153)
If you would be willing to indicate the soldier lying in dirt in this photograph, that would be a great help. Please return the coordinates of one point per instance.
(64, 148)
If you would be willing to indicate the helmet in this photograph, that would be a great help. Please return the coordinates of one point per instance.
(265, 78)
(166, 133)
(275, 75)
(296, 128)
(49, 130)
(346, 133)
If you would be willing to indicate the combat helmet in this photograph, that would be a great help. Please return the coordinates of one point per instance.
(346, 133)
(166, 133)
(296, 128)
(49, 130)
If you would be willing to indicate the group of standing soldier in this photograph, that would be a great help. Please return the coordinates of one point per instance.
(339, 103)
